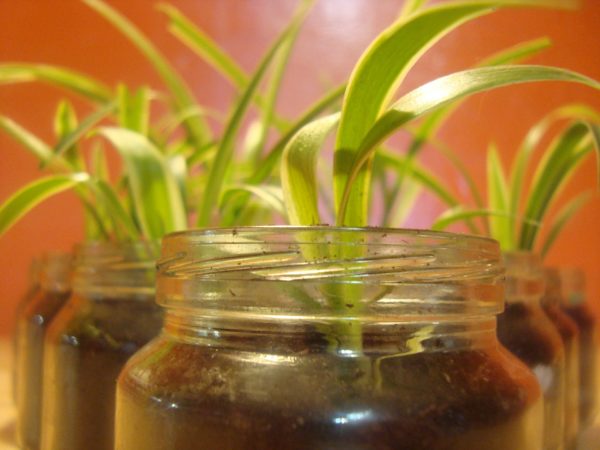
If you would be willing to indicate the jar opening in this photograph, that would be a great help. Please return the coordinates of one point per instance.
(330, 271)
(110, 269)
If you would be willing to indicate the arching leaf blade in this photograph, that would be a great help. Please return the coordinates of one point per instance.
(203, 45)
(531, 141)
(157, 201)
(270, 196)
(374, 79)
(299, 168)
(183, 98)
(558, 164)
(26, 198)
(500, 227)
(62, 77)
(562, 219)
(442, 91)
(224, 155)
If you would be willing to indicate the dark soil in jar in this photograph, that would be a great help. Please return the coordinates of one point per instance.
(589, 370)
(182, 396)
(31, 328)
(88, 344)
(526, 331)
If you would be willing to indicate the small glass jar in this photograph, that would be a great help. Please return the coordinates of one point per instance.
(33, 288)
(110, 314)
(574, 304)
(53, 273)
(569, 332)
(526, 331)
(321, 337)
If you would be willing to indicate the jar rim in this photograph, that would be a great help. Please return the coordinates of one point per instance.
(268, 229)
(400, 271)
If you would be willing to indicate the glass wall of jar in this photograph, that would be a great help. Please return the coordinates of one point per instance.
(569, 332)
(527, 332)
(110, 314)
(34, 318)
(32, 292)
(573, 285)
(322, 337)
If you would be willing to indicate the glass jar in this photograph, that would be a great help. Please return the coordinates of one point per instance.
(53, 273)
(33, 288)
(110, 314)
(574, 304)
(526, 331)
(569, 333)
(321, 337)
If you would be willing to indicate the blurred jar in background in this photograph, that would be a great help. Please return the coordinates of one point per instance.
(526, 331)
(575, 305)
(33, 321)
(33, 287)
(569, 332)
(109, 315)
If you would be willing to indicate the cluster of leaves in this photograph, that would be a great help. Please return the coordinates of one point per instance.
(367, 119)
(172, 169)
(515, 213)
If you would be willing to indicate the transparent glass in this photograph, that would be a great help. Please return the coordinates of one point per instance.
(110, 314)
(32, 292)
(526, 331)
(569, 332)
(574, 304)
(328, 338)
(53, 273)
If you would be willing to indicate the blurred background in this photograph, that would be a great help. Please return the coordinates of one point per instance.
(337, 31)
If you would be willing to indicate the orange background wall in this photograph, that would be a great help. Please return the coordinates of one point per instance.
(67, 33)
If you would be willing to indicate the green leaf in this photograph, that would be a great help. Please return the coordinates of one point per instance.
(68, 79)
(500, 227)
(267, 166)
(420, 175)
(183, 98)
(460, 214)
(595, 132)
(270, 196)
(134, 109)
(280, 62)
(321, 105)
(433, 122)
(562, 218)
(33, 144)
(204, 46)
(440, 92)
(532, 139)
(411, 6)
(69, 140)
(157, 201)
(65, 121)
(376, 76)
(26, 198)
(511, 55)
(556, 167)
(224, 154)
(115, 210)
(298, 171)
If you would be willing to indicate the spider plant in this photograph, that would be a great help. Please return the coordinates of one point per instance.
(367, 119)
(166, 180)
(517, 212)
